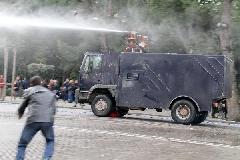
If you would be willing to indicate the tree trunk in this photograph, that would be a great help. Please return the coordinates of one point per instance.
(5, 72)
(104, 37)
(13, 71)
(104, 44)
(109, 8)
(226, 46)
(225, 26)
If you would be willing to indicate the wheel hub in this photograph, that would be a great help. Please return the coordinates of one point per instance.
(101, 105)
(183, 112)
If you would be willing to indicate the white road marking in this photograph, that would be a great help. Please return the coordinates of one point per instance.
(96, 131)
(117, 133)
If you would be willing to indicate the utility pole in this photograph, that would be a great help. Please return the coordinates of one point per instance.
(5, 72)
(13, 70)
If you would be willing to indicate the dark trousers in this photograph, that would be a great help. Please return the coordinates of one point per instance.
(70, 96)
(28, 133)
(65, 96)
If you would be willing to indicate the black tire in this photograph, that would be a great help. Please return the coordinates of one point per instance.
(101, 105)
(184, 112)
(200, 117)
(122, 111)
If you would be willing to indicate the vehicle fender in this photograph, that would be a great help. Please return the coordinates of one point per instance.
(184, 97)
(110, 88)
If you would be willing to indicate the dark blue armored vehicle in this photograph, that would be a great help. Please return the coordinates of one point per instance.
(186, 84)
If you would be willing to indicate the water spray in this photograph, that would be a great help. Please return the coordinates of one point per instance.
(135, 41)
(14, 22)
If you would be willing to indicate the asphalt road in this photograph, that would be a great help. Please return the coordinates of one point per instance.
(139, 136)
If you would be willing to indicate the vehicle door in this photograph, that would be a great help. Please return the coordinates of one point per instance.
(90, 72)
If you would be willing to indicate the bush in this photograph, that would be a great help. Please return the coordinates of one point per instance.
(43, 70)
(8, 91)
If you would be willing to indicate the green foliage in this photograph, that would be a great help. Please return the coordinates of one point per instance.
(43, 70)
(8, 91)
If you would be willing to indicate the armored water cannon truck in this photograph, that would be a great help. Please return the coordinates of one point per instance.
(186, 84)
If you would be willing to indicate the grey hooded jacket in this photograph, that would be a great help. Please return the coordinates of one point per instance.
(40, 103)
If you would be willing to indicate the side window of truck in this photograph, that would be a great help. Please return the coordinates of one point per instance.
(92, 63)
(96, 62)
(86, 65)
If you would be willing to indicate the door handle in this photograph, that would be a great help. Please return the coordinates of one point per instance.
(132, 76)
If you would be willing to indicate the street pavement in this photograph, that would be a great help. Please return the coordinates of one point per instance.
(145, 135)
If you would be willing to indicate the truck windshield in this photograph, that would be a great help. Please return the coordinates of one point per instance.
(92, 63)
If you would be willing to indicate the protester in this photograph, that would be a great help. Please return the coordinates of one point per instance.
(44, 83)
(57, 89)
(25, 83)
(55, 82)
(41, 105)
(51, 85)
(76, 94)
(65, 89)
(75, 87)
(1, 86)
(71, 89)
(17, 87)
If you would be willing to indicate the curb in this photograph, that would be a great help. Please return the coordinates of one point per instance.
(4, 102)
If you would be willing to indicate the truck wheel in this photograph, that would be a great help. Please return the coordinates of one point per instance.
(201, 116)
(101, 105)
(122, 111)
(183, 111)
